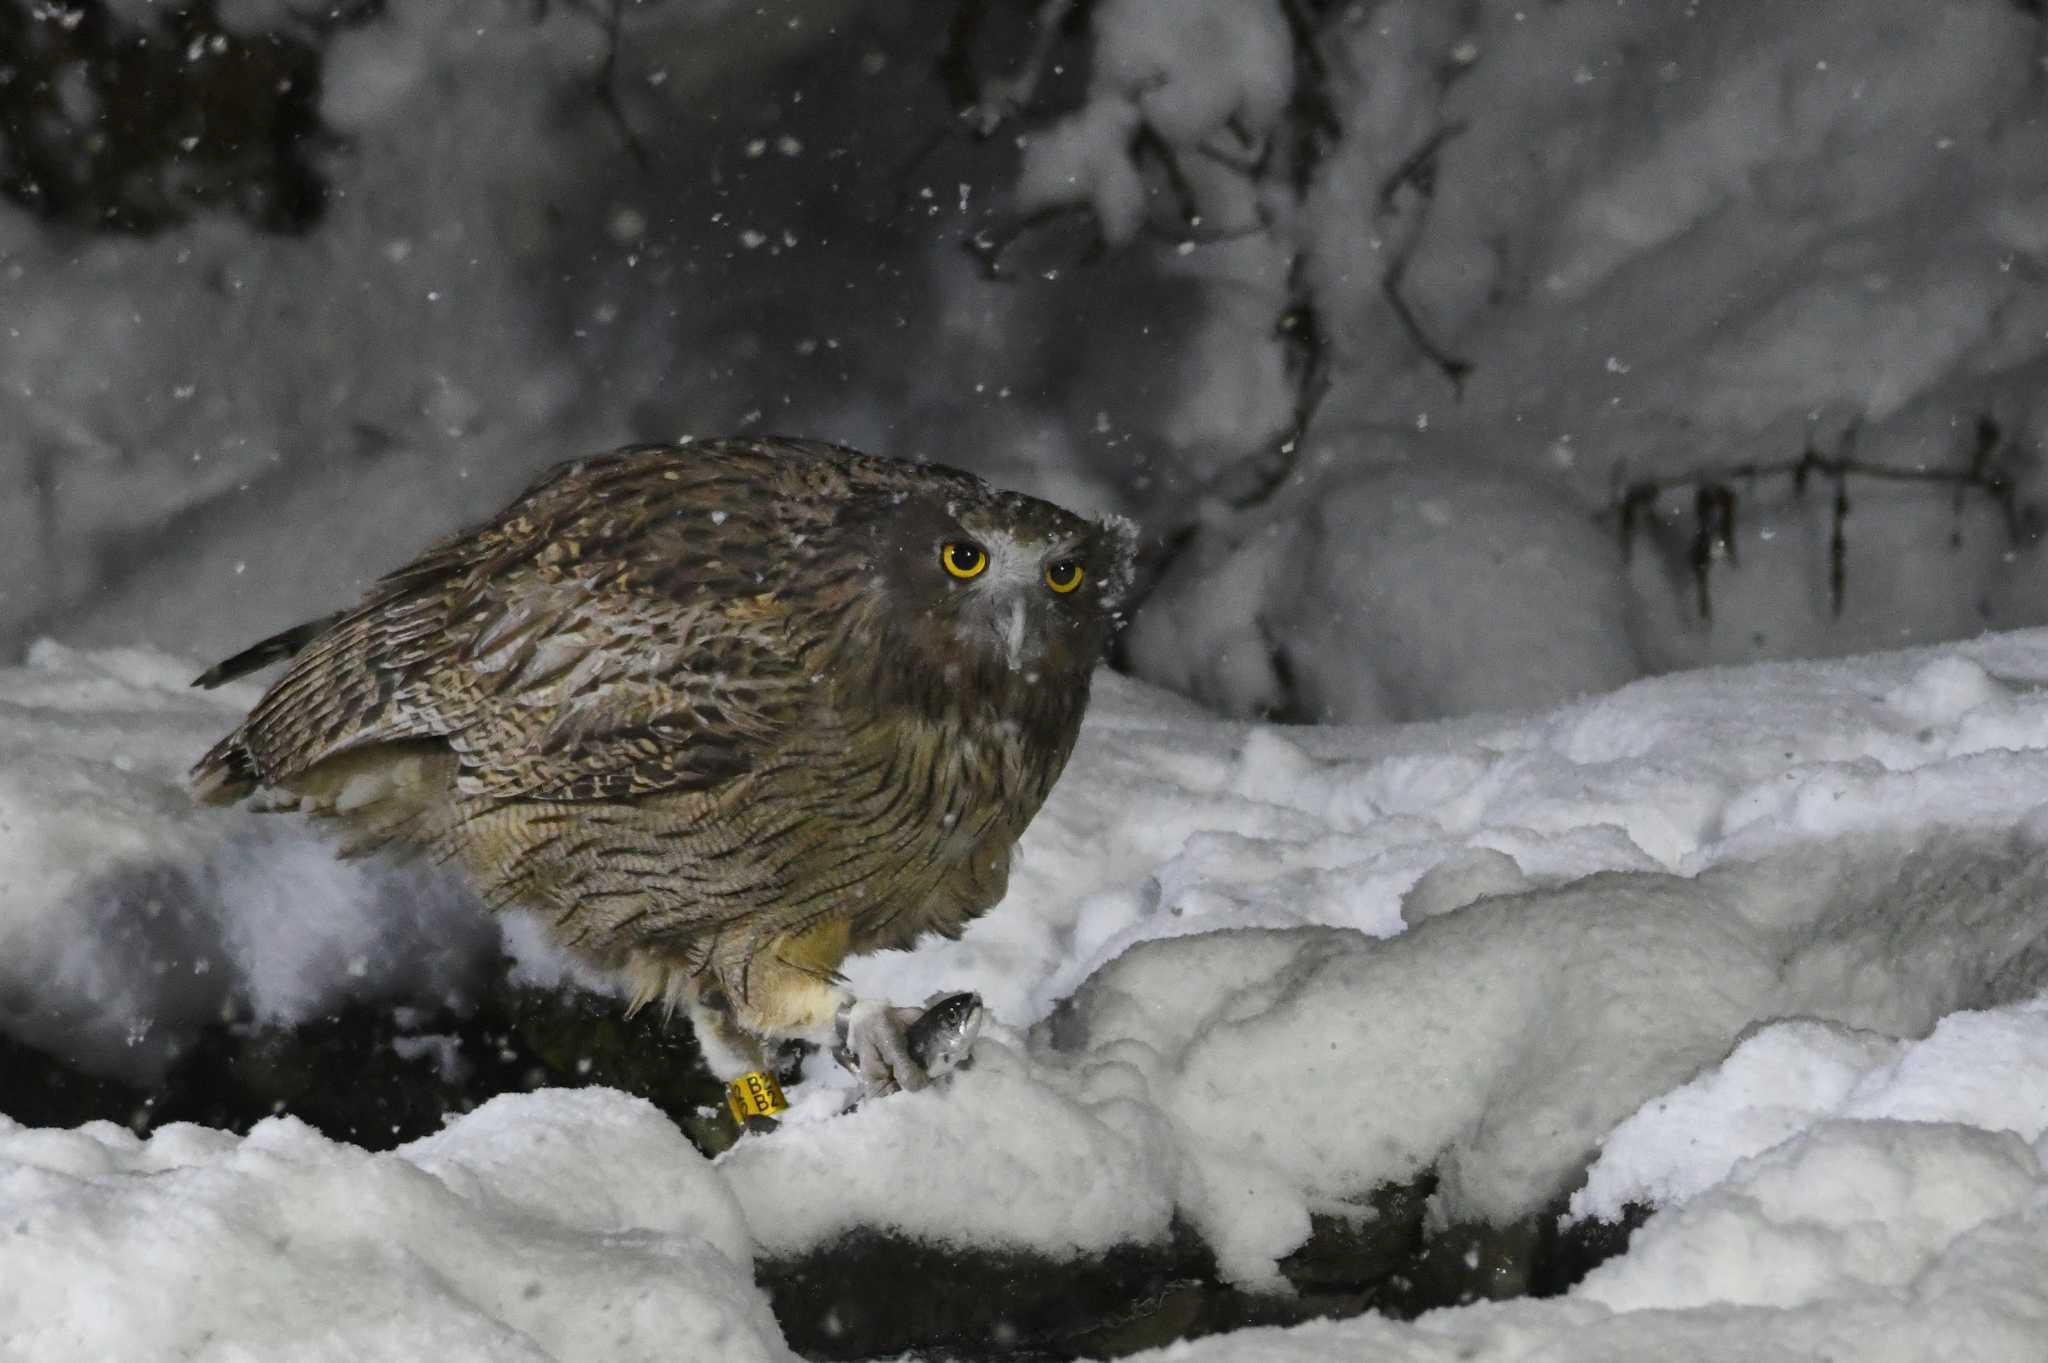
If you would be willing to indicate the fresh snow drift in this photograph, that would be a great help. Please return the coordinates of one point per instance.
(1762, 947)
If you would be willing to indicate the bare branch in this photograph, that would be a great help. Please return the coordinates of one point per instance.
(1417, 170)
(1310, 113)
(1714, 501)
(1450, 366)
(991, 243)
(610, 16)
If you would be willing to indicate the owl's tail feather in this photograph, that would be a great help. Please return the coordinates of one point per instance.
(275, 649)
(229, 771)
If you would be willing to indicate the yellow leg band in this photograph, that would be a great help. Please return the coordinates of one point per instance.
(754, 1095)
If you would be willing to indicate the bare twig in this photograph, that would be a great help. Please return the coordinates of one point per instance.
(1450, 366)
(1311, 114)
(956, 59)
(1187, 201)
(1417, 170)
(1982, 474)
(1148, 142)
(608, 85)
(610, 16)
(1713, 538)
(992, 242)
(1714, 501)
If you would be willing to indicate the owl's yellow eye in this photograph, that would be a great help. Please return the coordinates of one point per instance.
(964, 560)
(1063, 575)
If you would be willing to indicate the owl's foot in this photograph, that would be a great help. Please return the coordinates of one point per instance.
(874, 1043)
(907, 1048)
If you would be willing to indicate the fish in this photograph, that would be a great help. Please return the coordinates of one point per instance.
(942, 1038)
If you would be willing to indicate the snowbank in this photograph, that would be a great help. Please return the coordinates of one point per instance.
(1761, 946)
(564, 1224)
(129, 915)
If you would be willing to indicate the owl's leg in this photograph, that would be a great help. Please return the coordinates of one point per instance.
(728, 1050)
(742, 1004)
(789, 987)
(754, 994)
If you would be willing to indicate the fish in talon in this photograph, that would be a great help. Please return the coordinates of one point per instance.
(942, 1040)
(907, 1048)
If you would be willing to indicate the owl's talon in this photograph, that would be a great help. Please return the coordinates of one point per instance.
(908, 1048)
(874, 1043)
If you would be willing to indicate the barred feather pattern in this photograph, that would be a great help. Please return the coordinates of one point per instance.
(715, 711)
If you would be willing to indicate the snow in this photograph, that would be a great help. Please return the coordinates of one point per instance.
(1667, 239)
(1182, 74)
(1194, 68)
(1759, 948)
(1010, 1154)
(564, 1224)
(1982, 1069)
(1398, 595)
(127, 917)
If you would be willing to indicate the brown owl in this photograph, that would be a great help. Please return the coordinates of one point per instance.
(724, 713)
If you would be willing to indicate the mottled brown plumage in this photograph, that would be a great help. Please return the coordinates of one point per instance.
(721, 712)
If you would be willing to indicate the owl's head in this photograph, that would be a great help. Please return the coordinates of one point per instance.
(1001, 586)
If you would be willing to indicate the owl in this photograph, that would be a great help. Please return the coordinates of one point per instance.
(721, 713)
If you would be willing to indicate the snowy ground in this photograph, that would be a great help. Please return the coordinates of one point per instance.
(1763, 947)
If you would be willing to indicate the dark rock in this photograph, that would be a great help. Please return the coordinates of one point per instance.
(378, 1076)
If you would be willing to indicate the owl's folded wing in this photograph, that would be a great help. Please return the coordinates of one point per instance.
(568, 694)
(596, 641)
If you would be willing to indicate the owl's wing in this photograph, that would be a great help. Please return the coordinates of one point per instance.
(542, 690)
(596, 641)
(574, 694)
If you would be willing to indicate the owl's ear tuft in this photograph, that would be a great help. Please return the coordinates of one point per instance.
(1119, 538)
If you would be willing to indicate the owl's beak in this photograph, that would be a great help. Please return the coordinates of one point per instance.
(1012, 629)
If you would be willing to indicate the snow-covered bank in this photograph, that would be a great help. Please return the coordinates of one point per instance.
(566, 1224)
(1763, 946)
